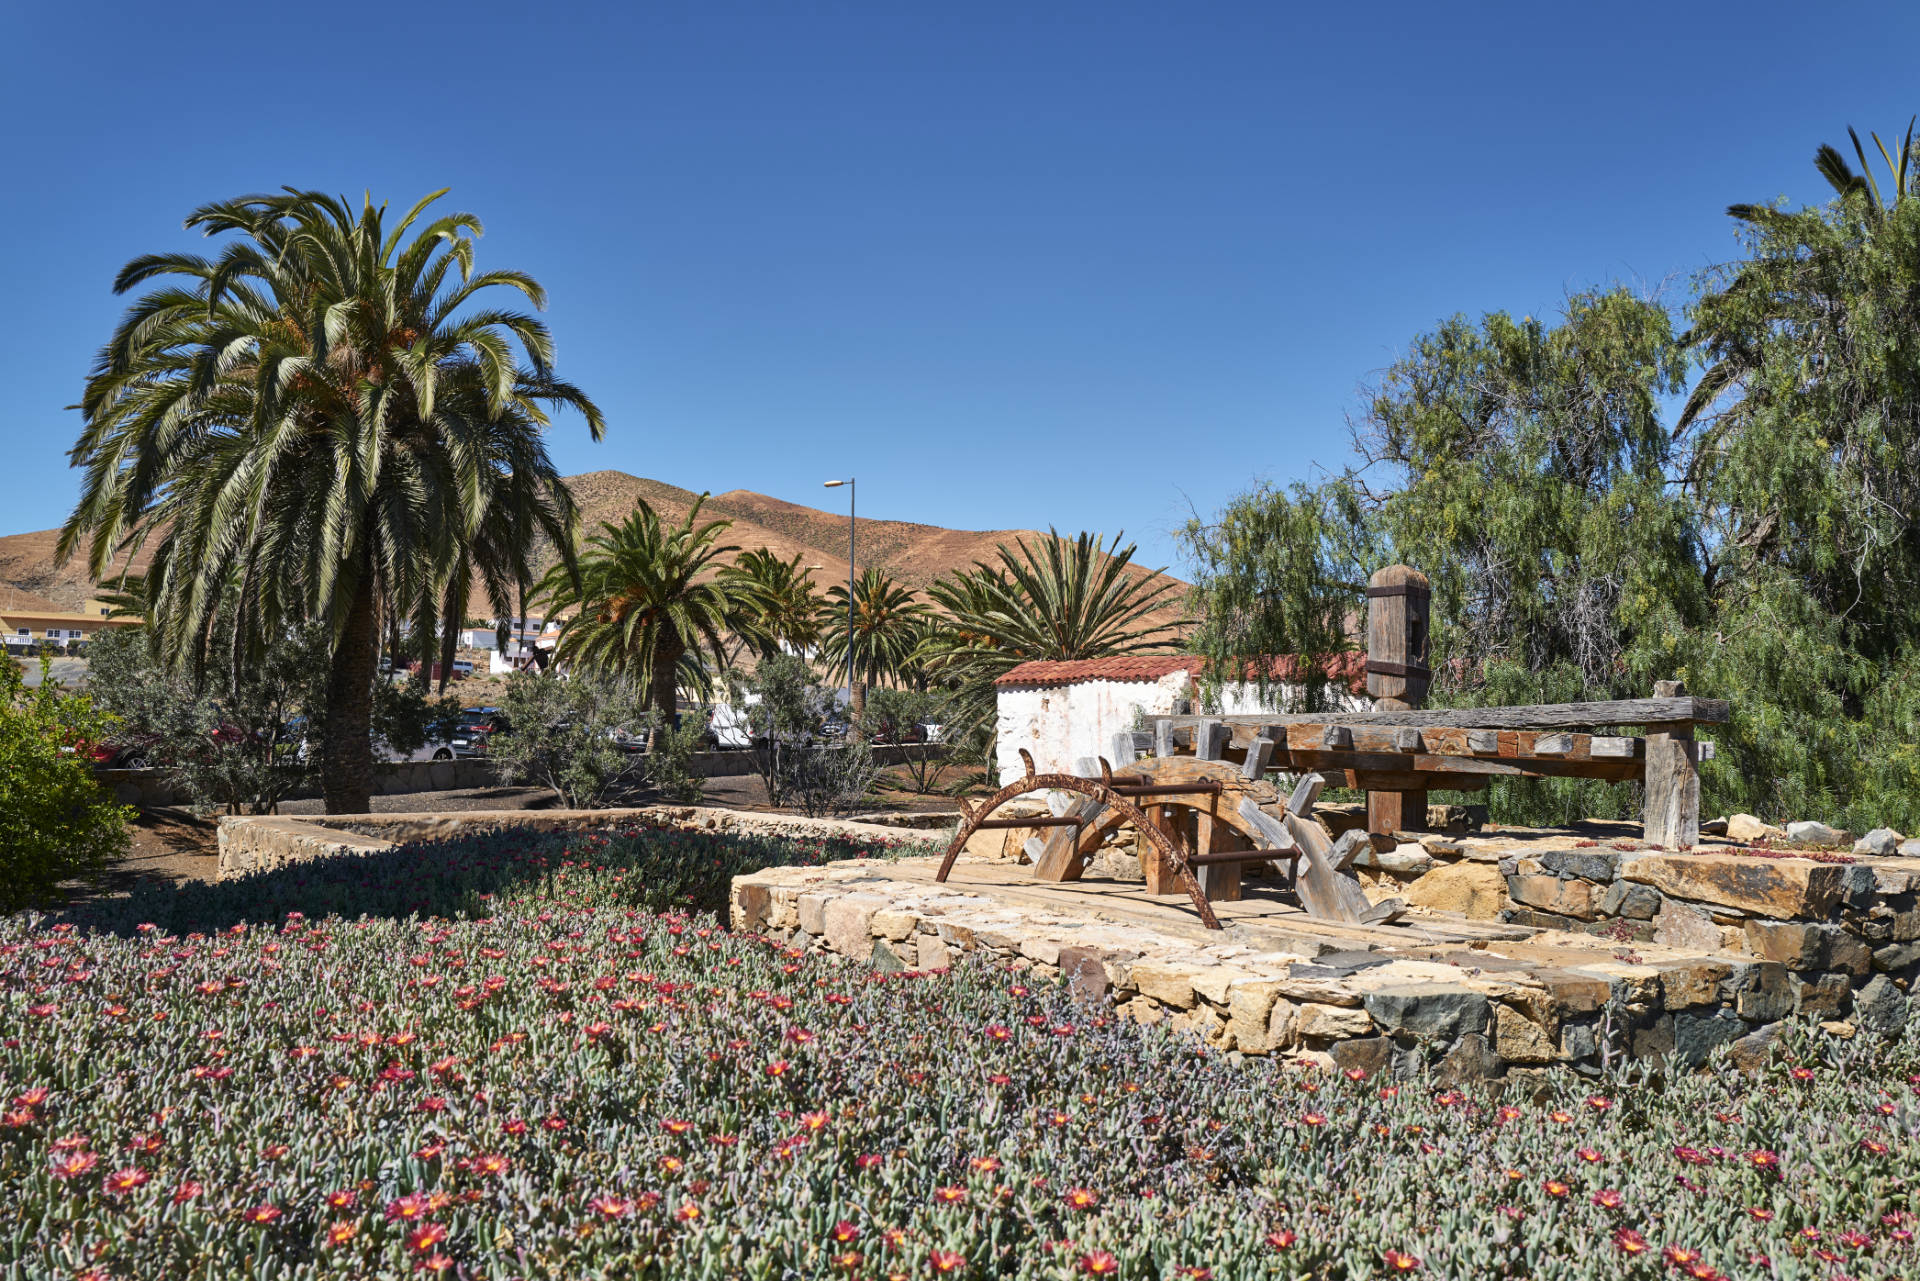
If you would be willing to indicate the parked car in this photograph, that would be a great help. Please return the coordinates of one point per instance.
(438, 747)
(475, 730)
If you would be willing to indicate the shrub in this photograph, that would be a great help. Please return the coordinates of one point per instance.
(902, 717)
(670, 760)
(56, 821)
(570, 1086)
(800, 753)
(567, 734)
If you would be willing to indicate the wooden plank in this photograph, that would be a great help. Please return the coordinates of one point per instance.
(1125, 747)
(1305, 793)
(1348, 847)
(1442, 768)
(1161, 877)
(1389, 781)
(1605, 748)
(1553, 745)
(1255, 764)
(1406, 740)
(1506, 744)
(1269, 828)
(1483, 741)
(1331, 737)
(1208, 738)
(1163, 737)
(1393, 809)
(1539, 716)
(1060, 858)
(1324, 892)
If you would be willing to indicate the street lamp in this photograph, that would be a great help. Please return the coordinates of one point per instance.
(852, 497)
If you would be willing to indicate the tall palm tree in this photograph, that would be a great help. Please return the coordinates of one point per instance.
(779, 601)
(880, 636)
(320, 423)
(647, 604)
(1061, 600)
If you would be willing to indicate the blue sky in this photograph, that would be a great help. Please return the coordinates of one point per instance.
(1014, 265)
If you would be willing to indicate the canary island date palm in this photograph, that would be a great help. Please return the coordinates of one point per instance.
(646, 602)
(326, 421)
(1058, 600)
(878, 642)
(781, 609)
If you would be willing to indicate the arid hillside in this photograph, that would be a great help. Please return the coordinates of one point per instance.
(915, 553)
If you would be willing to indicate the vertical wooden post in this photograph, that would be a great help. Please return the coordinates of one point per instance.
(1671, 817)
(1398, 598)
(1161, 878)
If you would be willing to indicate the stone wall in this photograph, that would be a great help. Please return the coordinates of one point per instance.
(152, 788)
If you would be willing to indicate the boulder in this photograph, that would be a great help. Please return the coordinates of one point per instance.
(1677, 925)
(1696, 1033)
(1636, 902)
(1783, 888)
(1798, 945)
(1371, 1054)
(848, 923)
(1880, 1006)
(1881, 842)
(1588, 865)
(1407, 859)
(1331, 1023)
(1428, 1011)
(1573, 898)
(1747, 829)
(1475, 890)
(1518, 1039)
(1910, 848)
(1751, 1052)
(1809, 832)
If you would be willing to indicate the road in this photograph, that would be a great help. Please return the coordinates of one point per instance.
(71, 672)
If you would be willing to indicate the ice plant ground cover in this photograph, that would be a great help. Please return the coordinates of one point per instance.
(499, 1057)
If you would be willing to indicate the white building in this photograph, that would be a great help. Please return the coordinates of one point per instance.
(1061, 711)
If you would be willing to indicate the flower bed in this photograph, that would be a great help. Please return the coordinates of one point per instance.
(565, 1084)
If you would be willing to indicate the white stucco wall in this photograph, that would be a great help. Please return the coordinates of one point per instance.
(1059, 724)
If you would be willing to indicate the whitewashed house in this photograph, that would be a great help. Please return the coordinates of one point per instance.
(1061, 711)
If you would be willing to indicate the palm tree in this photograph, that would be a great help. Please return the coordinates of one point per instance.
(646, 603)
(319, 424)
(1061, 601)
(780, 605)
(881, 634)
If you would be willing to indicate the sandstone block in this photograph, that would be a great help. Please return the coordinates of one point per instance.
(1747, 829)
(1215, 982)
(1588, 865)
(1428, 1011)
(812, 909)
(1041, 949)
(1548, 893)
(1249, 1010)
(848, 923)
(1283, 1030)
(1798, 945)
(1677, 925)
(1751, 1052)
(1779, 888)
(955, 935)
(1371, 1054)
(750, 904)
(1331, 1023)
(1408, 859)
(1694, 983)
(1475, 890)
(1570, 992)
(1518, 1039)
(1086, 973)
(1809, 832)
(933, 953)
(1910, 848)
(1169, 984)
(893, 924)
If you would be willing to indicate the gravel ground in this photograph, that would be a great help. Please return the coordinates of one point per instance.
(469, 798)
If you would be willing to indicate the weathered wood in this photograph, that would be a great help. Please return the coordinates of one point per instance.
(1267, 827)
(1220, 882)
(1348, 847)
(1605, 748)
(1258, 755)
(1406, 740)
(1125, 747)
(1208, 738)
(1671, 813)
(1483, 741)
(1160, 874)
(1394, 808)
(1395, 781)
(1305, 793)
(1385, 912)
(1442, 769)
(1538, 716)
(1398, 597)
(1060, 858)
(1553, 745)
(1516, 745)
(1325, 893)
(1332, 737)
(1163, 737)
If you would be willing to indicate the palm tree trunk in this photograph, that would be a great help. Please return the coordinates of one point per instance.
(666, 672)
(346, 765)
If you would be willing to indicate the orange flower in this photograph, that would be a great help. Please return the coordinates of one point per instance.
(945, 1261)
(341, 1233)
(261, 1215)
(688, 1213)
(950, 1195)
(1098, 1263)
(121, 1182)
(1081, 1198)
(1400, 1261)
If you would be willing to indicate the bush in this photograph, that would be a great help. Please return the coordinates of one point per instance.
(567, 734)
(797, 751)
(56, 821)
(901, 717)
(670, 760)
(569, 1086)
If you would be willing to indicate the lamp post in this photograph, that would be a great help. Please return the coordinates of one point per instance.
(856, 697)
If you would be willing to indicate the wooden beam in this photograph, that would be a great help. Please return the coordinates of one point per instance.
(1539, 716)
(1671, 817)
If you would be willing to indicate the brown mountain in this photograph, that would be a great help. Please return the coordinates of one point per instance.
(912, 552)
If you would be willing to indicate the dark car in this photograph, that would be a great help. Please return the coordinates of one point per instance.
(476, 729)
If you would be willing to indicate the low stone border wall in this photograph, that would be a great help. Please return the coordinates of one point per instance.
(257, 844)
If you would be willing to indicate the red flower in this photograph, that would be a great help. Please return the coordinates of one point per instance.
(1098, 1263)
(1608, 1199)
(1760, 1213)
(261, 1215)
(71, 1165)
(687, 1213)
(342, 1232)
(1680, 1257)
(1282, 1238)
(813, 1122)
(553, 1121)
(187, 1191)
(435, 1263)
(870, 1161)
(425, 1237)
(984, 1164)
(998, 1032)
(342, 1199)
(407, 1208)
(1400, 1261)
(1763, 1159)
(676, 1127)
(1599, 1102)
(945, 1261)
(121, 1182)
(845, 1232)
(1194, 1272)
(949, 1195)
(1627, 1241)
(1314, 1119)
(1081, 1198)
(778, 1068)
(1589, 1155)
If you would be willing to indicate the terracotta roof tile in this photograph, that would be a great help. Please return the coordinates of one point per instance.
(1350, 668)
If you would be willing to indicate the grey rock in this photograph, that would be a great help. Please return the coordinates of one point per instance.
(1751, 1052)
(1371, 1054)
(1430, 1012)
(1822, 996)
(1696, 1034)
(1631, 899)
(1588, 865)
(1848, 954)
(1086, 974)
(1579, 1040)
(1510, 865)
(1761, 993)
(1469, 1061)
(1896, 956)
(1881, 842)
(1880, 1006)
(1808, 832)
(1654, 1040)
(1714, 827)
(1910, 848)
(1860, 885)
(1677, 925)
(886, 959)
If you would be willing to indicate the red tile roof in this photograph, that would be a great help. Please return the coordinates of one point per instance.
(1350, 668)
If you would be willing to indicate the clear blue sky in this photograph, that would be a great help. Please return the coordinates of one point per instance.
(1012, 264)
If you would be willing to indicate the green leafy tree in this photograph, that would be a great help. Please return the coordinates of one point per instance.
(798, 749)
(645, 603)
(56, 821)
(573, 734)
(321, 424)
(913, 721)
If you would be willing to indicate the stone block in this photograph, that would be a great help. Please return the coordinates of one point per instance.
(1548, 893)
(887, 959)
(1880, 1006)
(1371, 1054)
(1910, 848)
(812, 909)
(1428, 1011)
(1086, 973)
(1518, 1039)
(750, 904)
(1331, 1023)
(1476, 891)
(1636, 902)
(1896, 956)
(1470, 1060)
(1041, 949)
(1579, 1040)
(1679, 926)
(1283, 1030)
(1539, 920)
(1881, 842)
(1654, 1040)
(1589, 865)
(893, 924)
(1570, 993)
(1214, 982)
(1847, 953)
(1249, 1010)
(1697, 1033)
(1693, 983)
(1747, 829)
(933, 953)
(1825, 996)
(1751, 1052)
(955, 935)
(1761, 993)
(1906, 926)
(1798, 945)
(1809, 832)
(1169, 984)
(1775, 887)
(848, 923)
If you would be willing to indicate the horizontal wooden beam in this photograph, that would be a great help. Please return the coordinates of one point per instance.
(1540, 716)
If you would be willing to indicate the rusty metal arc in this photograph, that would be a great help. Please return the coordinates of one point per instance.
(1169, 847)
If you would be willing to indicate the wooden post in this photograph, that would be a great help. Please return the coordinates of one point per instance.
(1397, 676)
(1671, 818)
(1161, 878)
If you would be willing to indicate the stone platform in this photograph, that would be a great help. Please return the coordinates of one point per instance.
(1473, 998)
